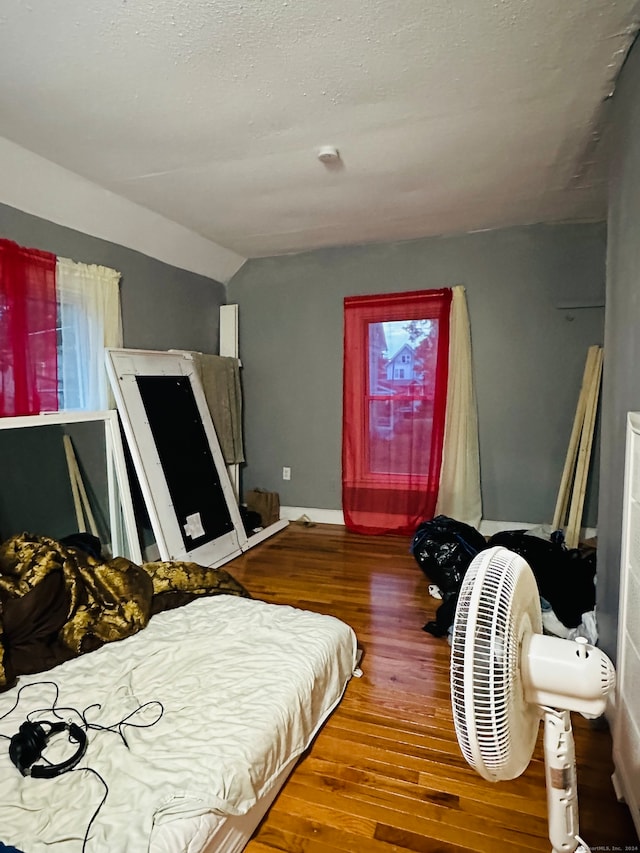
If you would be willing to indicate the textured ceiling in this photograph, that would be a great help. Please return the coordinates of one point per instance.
(449, 115)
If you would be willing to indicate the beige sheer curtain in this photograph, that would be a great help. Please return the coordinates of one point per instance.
(89, 305)
(459, 494)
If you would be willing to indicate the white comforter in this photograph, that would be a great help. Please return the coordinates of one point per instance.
(245, 685)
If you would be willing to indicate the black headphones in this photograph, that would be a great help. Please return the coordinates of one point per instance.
(27, 745)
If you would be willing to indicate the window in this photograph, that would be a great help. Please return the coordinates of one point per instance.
(57, 317)
(393, 416)
(89, 321)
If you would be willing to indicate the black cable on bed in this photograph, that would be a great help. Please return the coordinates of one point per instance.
(17, 702)
(117, 728)
(102, 802)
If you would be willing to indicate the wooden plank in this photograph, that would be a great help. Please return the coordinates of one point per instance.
(93, 527)
(564, 492)
(572, 535)
(71, 468)
(80, 497)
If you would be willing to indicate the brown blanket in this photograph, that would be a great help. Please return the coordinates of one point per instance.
(57, 602)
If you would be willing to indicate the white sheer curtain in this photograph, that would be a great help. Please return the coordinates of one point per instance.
(459, 493)
(89, 305)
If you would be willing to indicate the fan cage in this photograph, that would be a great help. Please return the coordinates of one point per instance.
(486, 686)
(607, 677)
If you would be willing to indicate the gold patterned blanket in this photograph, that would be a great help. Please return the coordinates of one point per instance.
(58, 602)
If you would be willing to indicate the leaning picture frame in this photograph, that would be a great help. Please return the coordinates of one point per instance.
(51, 441)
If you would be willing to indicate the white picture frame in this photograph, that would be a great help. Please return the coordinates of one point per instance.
(123, 530)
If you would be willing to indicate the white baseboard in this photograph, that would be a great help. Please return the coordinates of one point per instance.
(320, 516)
(335, 516)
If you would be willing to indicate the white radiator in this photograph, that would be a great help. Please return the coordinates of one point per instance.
(626, 728)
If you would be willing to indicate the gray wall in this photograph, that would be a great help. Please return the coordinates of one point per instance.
(36, 493)
(621, 382)
(163, 307)
(529, 355)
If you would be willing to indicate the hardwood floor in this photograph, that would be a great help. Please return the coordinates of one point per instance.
(385, 773)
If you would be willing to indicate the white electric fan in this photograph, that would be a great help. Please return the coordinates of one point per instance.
(506, 676)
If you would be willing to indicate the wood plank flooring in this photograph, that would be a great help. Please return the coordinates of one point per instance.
(385, 773)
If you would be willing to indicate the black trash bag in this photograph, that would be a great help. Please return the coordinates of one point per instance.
(444, 548)
(565, 576)
(445, 614)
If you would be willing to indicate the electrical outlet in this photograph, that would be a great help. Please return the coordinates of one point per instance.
(286, 473)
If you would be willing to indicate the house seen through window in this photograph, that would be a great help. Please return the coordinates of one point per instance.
(402, 362)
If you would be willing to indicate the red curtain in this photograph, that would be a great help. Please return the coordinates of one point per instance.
(396, 350)
(28, 337)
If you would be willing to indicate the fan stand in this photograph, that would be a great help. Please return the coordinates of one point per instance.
(560, 773)
(506, 675)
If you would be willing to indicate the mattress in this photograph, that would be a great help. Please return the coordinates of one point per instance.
(216, 833)
(218, 698)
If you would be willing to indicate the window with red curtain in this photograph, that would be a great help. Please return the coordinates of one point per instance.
(396, 350)
(28, 337)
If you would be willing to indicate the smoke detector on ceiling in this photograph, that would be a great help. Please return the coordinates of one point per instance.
(328, 154)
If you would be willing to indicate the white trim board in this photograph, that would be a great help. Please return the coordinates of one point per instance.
(37, 186)
(320, 516)
(228, 348)
(335, 516)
